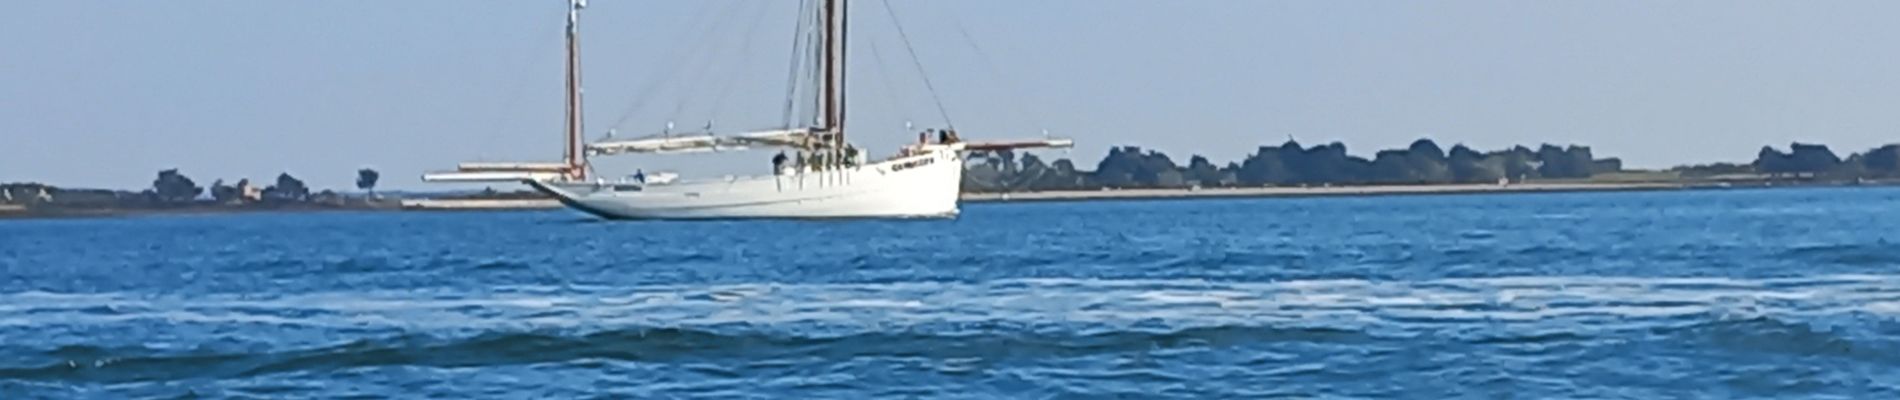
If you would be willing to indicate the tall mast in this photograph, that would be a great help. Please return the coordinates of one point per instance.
(832, 65)
(576, 156)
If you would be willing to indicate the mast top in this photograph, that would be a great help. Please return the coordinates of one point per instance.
(574, 13)
(576, 154)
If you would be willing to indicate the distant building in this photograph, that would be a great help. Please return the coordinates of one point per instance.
(249, 193)
(21, 193)
(24, 193)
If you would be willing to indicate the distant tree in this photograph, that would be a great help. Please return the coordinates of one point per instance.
(1392, 166)
(1063, 166)
(1229, 177)
(1158, 170)
(1007, 162)
(1122, 168)
(1061, 175)
(1031, 173)
(1855, 166)
(996, 163)
(225, 193)
(1423, 162)
(1715, 169)
(1801, 159)
(244, 188)
(986, 176)
(173, 187)
(1031, 165)
(1606, 165)
(1426, 147)
(1812, 158)
(1469, 166)
(288, 189)
(1330, 164)
(327, 197)
(1202, 172)
(1884, 160)
(1519, 162)
(1771, 161)
(1565, 162)
(1267, 166)
(366, 180)
(1428, 163)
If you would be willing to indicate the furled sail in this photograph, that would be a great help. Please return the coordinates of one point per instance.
(799, 138)
(655, 145)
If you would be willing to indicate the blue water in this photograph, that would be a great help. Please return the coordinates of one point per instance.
(1716, 294)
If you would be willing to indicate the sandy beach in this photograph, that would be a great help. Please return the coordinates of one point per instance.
(1131, 194)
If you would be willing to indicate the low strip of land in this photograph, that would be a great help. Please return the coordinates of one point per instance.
(8, 211)
(478, 204)
(1080, 195)
(1133, 194)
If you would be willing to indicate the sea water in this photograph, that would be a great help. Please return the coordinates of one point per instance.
(1683, 294)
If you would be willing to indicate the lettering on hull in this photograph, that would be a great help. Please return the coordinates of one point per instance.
(913, 164)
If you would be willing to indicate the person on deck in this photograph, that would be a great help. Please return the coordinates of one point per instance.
(923, 138)
(778, 163)
(640, 176)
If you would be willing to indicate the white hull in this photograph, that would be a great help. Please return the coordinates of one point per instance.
(922, 186)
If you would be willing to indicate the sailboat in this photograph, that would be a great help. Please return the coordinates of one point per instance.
(828, 177)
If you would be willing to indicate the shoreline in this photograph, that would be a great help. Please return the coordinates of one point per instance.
(12, 212)
(479, 204)
(75, 213)
(1332, 191)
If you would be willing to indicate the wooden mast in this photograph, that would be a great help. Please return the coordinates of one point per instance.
(576, 156)
(832, 63)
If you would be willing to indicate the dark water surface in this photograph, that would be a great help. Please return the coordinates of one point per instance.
(1718, 294)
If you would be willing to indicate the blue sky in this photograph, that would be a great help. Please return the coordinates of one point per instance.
(104, 93)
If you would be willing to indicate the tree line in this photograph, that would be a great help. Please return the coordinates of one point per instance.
(1291, 164)
(1423, 162)
(174, 187)
(171, 188)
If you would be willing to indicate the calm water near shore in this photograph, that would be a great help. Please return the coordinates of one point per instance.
(1723, 294)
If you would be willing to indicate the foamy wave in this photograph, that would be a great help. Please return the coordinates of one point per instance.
(1103, 303)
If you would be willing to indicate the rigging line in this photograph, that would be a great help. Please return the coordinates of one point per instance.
(527, 63)
(919, 64)
(795, 67)
(814, 51)
(745, 47)
(699, 71)
(996, 73)
(884, 76)
(699, 24)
